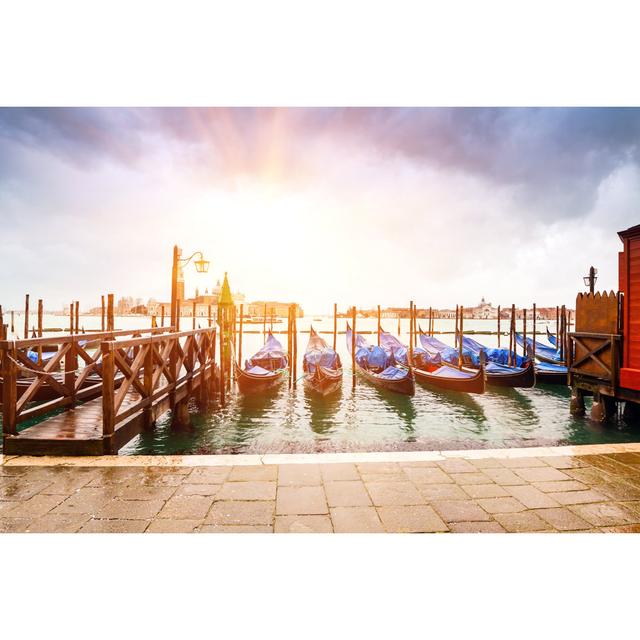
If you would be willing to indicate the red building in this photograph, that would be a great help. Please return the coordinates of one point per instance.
(629, 284)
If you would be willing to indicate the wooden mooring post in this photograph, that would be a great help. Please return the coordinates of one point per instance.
(335, 324)
(498, 326)
(71, 318)
(353, 346)
(26, 316)
(162, 315)
(524, 332)
(110, 318)
(102, 310)
(295, 346)
(13, 326)
(460, 350)
(240, 335)
(193, 315)
(534, 331)
(378, 325)
(290, 346)
(411, 331)
(77, 316)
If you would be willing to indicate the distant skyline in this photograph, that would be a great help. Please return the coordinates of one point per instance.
(358, 206)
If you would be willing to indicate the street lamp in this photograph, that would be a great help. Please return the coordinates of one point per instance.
(202, 266)
(590, 280)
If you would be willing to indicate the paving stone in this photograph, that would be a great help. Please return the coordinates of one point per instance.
(16, 488)
(531, 497)
(562, 519)
(522, 463)
(241, 513)
(626, 528)
(347, 493)
(577, 497)
(501, 505)
(356, 520)
(619, 491)
(418, 464)
(379, 468)
(197, 489)
(503, 476)
(86, 500)
(186, 507)
(145, 493)
(589, 476)
(541, 474)
(605, 514)
(70, 483)
(114, 526)
(299, 475)
(247, 490)
(339, 471)
(14, 525)
(484, 491)
(158, 478)
(54, 523)
(106, 476)
(526, 521)
(457, 465)
(564, 462)
(208, 475)
(561, 485)
(394, 493)
(460, 511)
(627, 457)
(129, 509)
(262, 472)
(301, 501)
(427, 475)
(35, 506)
(303, 524)
(442, 492)
(486, 463)
(411, 519)
(470, 478)
(476, 527)
(162, 525)
(244, 528)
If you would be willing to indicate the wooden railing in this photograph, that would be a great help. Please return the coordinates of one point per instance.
(155, 368)
(595, 355)
(71, 374)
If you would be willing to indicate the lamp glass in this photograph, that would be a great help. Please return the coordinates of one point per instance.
(202, 266)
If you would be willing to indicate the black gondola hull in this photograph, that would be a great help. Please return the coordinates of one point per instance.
(524, 379)
(405, 386)
(472, 384)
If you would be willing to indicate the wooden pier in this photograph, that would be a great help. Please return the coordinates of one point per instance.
(129, 380)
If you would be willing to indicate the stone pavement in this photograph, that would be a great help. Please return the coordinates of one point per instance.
(591, 490)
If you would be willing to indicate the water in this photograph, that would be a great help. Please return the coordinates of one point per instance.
(369, 419)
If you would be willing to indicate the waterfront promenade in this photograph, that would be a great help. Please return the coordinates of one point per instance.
(593, 488)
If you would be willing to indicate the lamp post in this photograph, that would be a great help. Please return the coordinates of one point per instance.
(202, 266)
(590, 280)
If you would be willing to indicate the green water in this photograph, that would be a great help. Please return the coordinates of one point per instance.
(365, 418)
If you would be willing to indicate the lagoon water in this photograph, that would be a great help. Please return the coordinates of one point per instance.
(365, 418)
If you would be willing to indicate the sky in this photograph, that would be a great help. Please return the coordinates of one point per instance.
(360, 206)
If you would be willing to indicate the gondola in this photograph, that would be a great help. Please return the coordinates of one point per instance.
(265, 370)
(376, 367)
(551, 373)
(451, 378)
(322, 367)
(430, 368)
(499, 374)
(552, 338)
(544, 353)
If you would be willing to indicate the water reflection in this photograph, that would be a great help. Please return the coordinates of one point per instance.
(323, 411)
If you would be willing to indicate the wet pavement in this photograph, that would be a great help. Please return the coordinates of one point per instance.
(594, 489)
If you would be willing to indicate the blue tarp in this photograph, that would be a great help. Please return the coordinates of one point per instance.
(319, 352)
(394, 373)
(451, 372)
(547, 367)
(395, 348)
(499, 356)
(548, 352)
(271, 357)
